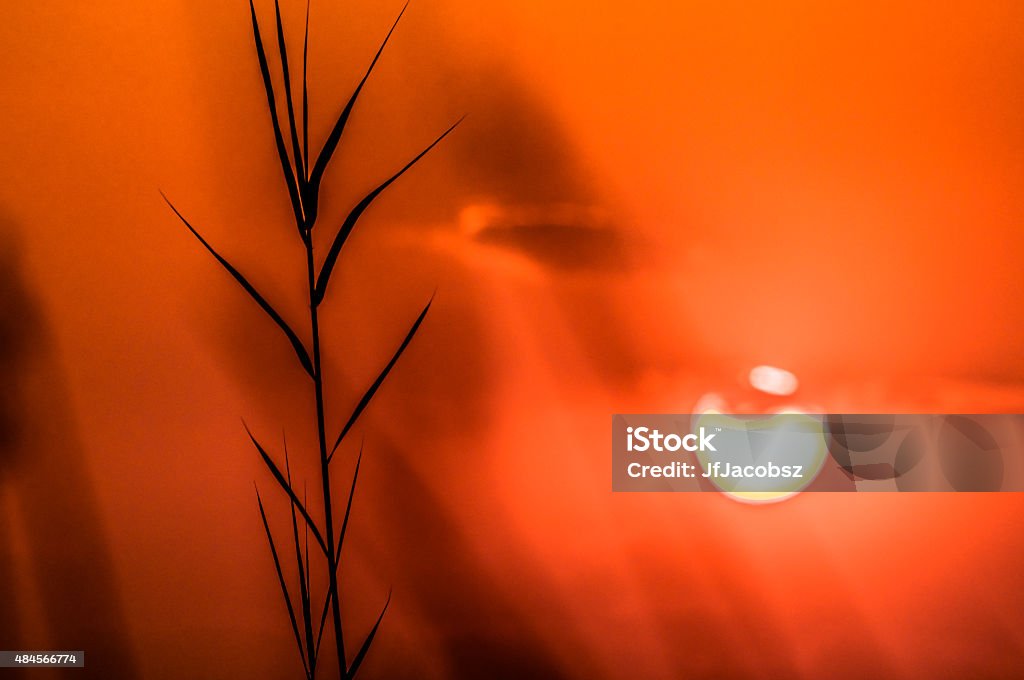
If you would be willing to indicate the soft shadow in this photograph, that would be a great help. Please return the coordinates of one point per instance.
(45, 480)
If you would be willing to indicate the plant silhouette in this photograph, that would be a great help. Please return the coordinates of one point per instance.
(303, 176)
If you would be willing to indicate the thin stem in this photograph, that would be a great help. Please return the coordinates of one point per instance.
(318, 382)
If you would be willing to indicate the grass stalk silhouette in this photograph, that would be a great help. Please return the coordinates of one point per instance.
(303, 176)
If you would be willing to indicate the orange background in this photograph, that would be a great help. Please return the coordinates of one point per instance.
(829, 187)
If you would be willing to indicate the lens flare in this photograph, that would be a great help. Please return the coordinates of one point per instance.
(772, 380)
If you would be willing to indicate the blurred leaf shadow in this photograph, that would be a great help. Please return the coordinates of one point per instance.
(45, 480)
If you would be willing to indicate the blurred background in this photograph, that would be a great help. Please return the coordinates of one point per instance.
(643, 204)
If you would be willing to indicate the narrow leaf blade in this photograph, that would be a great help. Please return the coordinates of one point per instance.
(282, 152)
(281, 580)
(348, 507)
(283, 483)
(307, 623)
(324, 158)
(324, 277)
(305, 98)
(305, 501)
(358, 661)
(292, 129)
(365, 401)
(300, 349)
(323, 620)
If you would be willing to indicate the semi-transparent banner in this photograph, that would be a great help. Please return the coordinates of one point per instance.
(766, 456)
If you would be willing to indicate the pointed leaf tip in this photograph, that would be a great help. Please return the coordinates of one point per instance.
(368, 396)
(283, 483)
(361, 655)
(331, 259)
(327, 152)
(293, 338)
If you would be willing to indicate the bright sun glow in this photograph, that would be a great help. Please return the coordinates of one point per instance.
(772, 380)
